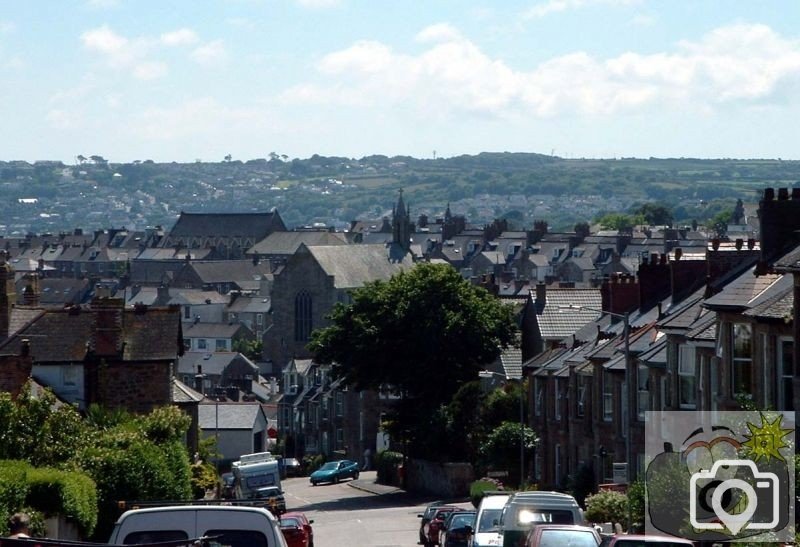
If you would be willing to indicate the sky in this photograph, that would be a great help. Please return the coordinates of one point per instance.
(175, 80)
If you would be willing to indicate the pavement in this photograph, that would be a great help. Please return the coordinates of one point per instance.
(367, 482)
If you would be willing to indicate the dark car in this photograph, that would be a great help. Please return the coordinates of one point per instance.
(296, 529)
(437, 521)
(547, 535)
(290, 467)
(334, 472)
(227, 490)
(272, 498)
(426, 517)
(457, 529)
(632, 540)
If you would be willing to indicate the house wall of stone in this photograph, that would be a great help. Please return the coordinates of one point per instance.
(446, 480)
(136, 387)
(14, 372)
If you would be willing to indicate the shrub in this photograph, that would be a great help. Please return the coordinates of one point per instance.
(607, 506)
(204, 478)
(387, 462)
(313, 462)
(69, 493)
(486, 484)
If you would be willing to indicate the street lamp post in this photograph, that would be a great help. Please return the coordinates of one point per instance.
(489, 374)
(630, 385)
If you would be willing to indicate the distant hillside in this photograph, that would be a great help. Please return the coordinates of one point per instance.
(95, 194)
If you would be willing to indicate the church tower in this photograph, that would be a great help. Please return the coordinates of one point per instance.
(401, 223)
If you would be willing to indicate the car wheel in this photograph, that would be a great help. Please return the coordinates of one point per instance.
(355, 475)
(313, 483)
(336, 479)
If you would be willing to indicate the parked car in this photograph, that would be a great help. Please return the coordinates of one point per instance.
(272, 498)
(487, 522)
(572, 535)
(227, 490)
(634, 540)
(426, 517)
(291, 467)
(334, 472)
(297, 529)
(437, 521)
(526, 510)
(457, 529)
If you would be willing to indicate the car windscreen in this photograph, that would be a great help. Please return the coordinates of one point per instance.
(329, 466)
(489, 520)
(522, 517)
(153, 536)
(459, 521)
(567, 538)
(236, 538)
(288, 523)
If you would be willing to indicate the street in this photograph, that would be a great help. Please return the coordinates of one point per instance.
(348, 517)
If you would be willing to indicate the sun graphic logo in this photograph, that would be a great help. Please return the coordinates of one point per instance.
(766, 441)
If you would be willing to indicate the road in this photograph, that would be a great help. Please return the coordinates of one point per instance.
(347, 517)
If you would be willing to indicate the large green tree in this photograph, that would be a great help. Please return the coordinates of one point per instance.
(423, 334)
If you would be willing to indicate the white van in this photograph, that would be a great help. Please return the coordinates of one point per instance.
(487, 528)
(233, 526)
(524, 510)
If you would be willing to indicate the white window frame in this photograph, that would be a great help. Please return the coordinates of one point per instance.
(202, 343)
(608, 397)
(539, 403)
(744, 359)
(687, 375)
(643, 393)
(580, 407)
(784, 378)
(557, 399)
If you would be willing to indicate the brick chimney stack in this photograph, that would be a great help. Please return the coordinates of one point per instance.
(108, 316)
(32, 292)
(8, 294)
(779, 220)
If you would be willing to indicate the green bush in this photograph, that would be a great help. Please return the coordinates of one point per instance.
(204, 478)
(69, 493)
(312, 462)
(386, 462)
(607, 506)
(486, 484)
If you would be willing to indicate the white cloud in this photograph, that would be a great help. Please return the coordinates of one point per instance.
(7, 27)
(62, 119)
(179, 37)
(549, 7)
(150, 70)
(443, 32)
(199, 117)
(212, 53)
(453, 76)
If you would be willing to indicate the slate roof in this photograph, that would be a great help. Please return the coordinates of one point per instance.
(353, 265)
(212, 415)
(212, 363)
(258, 225)
(557, 320)
(704, 330)
(743, 292)
(66, 335)
(780, 305)
(223, 271)
(656, 356)
(196, 297)
(511, 359)
(789, 262)
(211, 330)
(250, 304)
(286, 243)
(59, 290)
(183, 394)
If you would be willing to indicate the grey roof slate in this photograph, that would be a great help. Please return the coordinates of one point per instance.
(744, 291)
(780, 305)
(226, 224)
(183, 394)
(213, 415)
(354, 265)
(557, 320)
(286, 243)
(211, 330)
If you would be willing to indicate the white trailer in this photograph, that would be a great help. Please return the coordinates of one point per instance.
(254, 471)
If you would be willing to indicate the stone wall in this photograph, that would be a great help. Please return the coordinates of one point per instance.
(445, 480)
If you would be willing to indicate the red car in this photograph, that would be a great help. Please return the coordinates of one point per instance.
(547, 535)
(297, 530)
(436, 523)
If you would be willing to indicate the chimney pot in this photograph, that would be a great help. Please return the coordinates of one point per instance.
(739, 244)
(751, 243)
(783, 194)
(769, 194)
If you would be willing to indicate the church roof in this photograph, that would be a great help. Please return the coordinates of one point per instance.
(353, 265)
